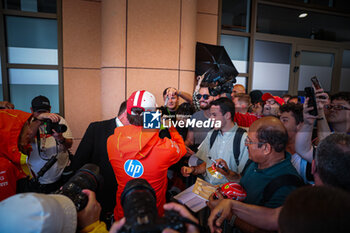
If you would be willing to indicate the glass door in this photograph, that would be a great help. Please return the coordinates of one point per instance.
(310, 62)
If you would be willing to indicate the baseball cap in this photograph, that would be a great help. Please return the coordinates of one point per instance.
(267, 96)
(40, 103)
(141, 99)
(34, 212)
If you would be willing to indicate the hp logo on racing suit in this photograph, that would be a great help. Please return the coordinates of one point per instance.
(133, 168)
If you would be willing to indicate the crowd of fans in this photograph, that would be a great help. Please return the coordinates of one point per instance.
(293, 165)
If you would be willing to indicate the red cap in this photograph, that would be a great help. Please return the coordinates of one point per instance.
(267, 96)
(141, 99)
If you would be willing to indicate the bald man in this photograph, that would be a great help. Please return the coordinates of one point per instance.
(266, 141)
(329, 167)
(238, 88)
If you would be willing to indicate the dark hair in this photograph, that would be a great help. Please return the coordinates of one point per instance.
(296, 109)
(185, 109)
(341, 96)
(318, 209)
(136, 119)
(333, 160)
(275, 137)
(204, 84)
(255, 96)
(122, 108)
(226, 105)
(165, 90)
(286, 96)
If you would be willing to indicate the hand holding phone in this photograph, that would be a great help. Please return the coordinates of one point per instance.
(309, 93)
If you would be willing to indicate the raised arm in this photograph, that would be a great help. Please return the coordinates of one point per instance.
(323, 129)
(303, 143)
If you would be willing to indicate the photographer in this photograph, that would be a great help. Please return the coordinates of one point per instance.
(169, 206)
(16, 132)
(49, 213)
(52, 140)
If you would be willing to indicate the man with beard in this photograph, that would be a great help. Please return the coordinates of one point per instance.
(271, 104)
(195, 135)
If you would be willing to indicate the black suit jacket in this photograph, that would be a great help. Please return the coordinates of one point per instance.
(93, 149)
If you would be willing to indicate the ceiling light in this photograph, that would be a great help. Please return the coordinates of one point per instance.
(302, 15)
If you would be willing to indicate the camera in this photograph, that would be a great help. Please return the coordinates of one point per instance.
(87, 177)
(219, 83)
(139, 205)
(59, 128)
(220, 89)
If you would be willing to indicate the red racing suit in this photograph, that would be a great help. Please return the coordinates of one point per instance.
(138, 153)
(13, 163)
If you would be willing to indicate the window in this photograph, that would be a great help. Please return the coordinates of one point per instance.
(237, 49)
(286, 21)
(271, 67)
(345, 72)
(235, 15)
(32, 58)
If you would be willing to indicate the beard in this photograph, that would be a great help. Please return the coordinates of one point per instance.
(206, 107)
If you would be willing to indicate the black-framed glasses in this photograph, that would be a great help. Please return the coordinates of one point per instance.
(205, 96)
(336, 107)
(271, 102)
(248, 141)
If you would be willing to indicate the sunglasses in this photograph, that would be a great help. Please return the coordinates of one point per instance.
(205, 96)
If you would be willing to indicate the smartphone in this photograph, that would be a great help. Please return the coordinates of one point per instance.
(316, 83)
(309, 92)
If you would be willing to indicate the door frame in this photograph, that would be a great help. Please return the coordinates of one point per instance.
(295, 66)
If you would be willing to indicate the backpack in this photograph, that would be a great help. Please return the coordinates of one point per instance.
(236, 142)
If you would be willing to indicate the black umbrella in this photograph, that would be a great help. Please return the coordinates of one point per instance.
(214, 60)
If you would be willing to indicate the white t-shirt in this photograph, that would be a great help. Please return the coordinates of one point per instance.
(49, 148)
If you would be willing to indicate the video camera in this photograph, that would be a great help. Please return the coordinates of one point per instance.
(219, 82)
(220, 89)
(87, 177)
(139, 205)
(59, 128)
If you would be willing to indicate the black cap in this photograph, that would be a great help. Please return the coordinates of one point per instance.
(41, 103)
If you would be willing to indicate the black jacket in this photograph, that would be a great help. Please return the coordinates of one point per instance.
(93, 149)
